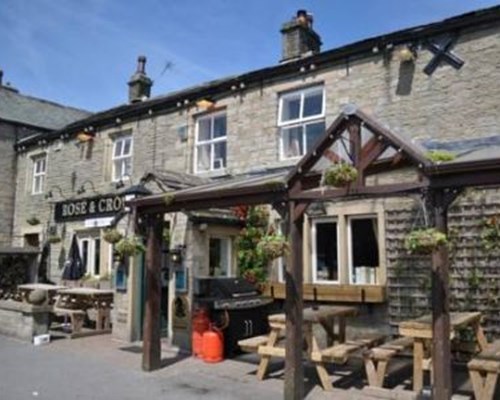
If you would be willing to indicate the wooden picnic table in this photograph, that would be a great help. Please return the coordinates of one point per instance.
(76, 301)
(420, 330)
(323, 315)
(51, 291)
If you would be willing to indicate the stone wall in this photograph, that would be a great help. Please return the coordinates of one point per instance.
(7, 182)
(23, 321)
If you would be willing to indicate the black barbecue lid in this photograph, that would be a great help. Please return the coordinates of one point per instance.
(223, 287)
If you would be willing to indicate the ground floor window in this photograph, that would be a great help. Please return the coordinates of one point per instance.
(346, 249)
(90, 251)
(220, 256)
(363, 250)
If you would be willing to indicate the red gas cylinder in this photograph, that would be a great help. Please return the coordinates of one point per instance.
(200, 324)
(213, 345)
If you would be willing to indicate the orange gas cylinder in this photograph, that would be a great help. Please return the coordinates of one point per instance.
(213, 345)
(200, 324)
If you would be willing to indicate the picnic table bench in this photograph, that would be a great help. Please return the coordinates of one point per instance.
(484, 369)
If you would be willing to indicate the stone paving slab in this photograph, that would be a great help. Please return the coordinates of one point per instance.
(100, 367)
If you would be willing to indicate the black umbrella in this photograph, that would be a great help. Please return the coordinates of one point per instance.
(73, 267)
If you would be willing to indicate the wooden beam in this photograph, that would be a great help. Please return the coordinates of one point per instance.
(441, 345)
(372, 154)
(151, 348)
(380, 190)
(294, 370)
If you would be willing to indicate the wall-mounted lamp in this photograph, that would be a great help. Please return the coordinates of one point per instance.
(50, 193)
(121, 182)
(83, 137)
(175, 254)
(82, 189)
(407, 53)
(206, 104)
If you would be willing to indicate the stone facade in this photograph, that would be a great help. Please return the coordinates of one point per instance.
(449, 104)
(7, 182)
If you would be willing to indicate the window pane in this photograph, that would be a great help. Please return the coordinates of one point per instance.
(292, 142)
(219, 155)
(118, 148)
(97, 256)
(326, 251)
(220, 126)
(313, 104)
(215, 257)
(127, 146)
(127, 167)
(204, 129)
(291, 108)
(313, 132)
(364, 250)
(203, 161)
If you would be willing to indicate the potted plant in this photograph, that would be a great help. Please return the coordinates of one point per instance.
(339, 175)
(424, 241)
(273, 246)
(33, 220)
(129, 246)
(111, 235)
(439, 156)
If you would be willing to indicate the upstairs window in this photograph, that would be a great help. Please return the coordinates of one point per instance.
(301, 121)
(211, 139)
(39, 172)
(122, 157)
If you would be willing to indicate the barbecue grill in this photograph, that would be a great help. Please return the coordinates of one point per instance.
(235, 304)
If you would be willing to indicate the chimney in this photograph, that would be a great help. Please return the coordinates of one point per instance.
(1, 78)
(139, 84)
(299, 38)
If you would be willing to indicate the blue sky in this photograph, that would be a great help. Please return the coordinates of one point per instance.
(82, 52)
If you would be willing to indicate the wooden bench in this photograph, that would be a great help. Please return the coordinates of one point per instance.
(377, 359)
(251, 345)
(340, 353)
(77, 318)
(484, 370)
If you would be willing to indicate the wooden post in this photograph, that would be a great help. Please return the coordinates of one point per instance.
(441, 346)
(151, 347)
(294, 369)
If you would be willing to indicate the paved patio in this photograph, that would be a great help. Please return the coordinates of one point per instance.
(100, 367)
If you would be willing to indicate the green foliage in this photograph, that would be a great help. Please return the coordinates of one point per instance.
(490, 234)
(424, 241)
(112, 235)
(258, 245)
(130, 246)
(33, 220)
(440, 156)
(169, 198)
(339, 175)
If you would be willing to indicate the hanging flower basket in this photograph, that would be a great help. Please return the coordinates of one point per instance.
(129, 246)
(112, 235)
(273, 246)
(258, 216)
(52, 239)
(339, 175)
(424, 241)
(490, 234)
(33, 221)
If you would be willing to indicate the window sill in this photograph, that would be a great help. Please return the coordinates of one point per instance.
(332, 292)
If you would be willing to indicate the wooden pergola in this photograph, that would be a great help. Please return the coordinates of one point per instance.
(354, 138)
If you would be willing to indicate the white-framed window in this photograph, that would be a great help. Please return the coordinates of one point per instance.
(210, 152)
(90, 251)
(346, 249)
(220, 256)
(363, 249)
(301, 120)
(325, 251)
(39, 172)
(122, 157)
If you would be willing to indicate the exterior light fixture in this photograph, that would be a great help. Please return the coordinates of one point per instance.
(83, 137)
(205, 104)
(407, 54)
(176, 254)
(82, 189)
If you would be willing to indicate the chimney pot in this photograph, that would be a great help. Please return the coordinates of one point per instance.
(1, 77)
(299, 38)
(139, 83)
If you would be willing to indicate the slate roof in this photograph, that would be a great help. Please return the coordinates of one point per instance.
(26, 110)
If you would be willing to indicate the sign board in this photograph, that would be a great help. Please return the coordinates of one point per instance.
(90, 207)
(98, 222)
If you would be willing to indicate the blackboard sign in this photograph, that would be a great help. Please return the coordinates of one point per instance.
(90, 207)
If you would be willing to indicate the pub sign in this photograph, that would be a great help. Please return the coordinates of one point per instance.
(90, 207)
